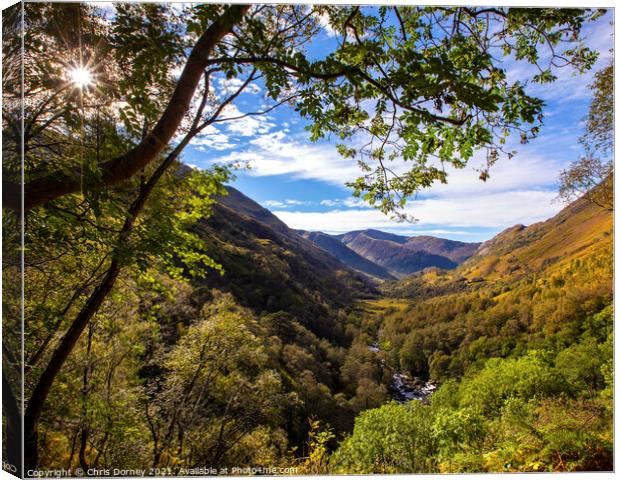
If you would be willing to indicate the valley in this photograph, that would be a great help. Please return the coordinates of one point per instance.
(449, 336)
(158, 320)
(323, 353)
(474, 309)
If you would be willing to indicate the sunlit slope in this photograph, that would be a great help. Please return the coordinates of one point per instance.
(571, 234)
(580, 230)
(546, 287)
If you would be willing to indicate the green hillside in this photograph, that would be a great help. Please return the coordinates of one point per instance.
(520, 338)
(270, 268)
(220, 364)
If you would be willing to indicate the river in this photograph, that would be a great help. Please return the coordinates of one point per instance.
(405, 388)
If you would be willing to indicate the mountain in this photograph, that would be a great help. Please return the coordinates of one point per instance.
(376, 234)
(401, 256)
(456, 251)
(519, 250)
(376, 254)
(245, 206)
(269, 268)
(581, 230)
(338, 249)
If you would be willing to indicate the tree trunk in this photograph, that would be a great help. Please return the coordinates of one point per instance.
(57, 184)
(39, 395)
(40, 392)
(85, 390)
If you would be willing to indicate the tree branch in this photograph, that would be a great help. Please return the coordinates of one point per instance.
(92, 305)
(343, 72)
(49, 187)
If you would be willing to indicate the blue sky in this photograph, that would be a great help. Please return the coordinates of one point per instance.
(303, 182)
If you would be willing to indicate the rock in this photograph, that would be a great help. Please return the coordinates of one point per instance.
(405, 388)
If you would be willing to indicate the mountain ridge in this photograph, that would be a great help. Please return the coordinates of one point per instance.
(401, 255)
(376, 254)
(269, 268)
(575, 232)
(346, 255)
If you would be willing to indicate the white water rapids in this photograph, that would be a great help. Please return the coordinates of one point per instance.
(405, 388)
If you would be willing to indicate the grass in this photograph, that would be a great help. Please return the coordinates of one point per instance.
(380, 305)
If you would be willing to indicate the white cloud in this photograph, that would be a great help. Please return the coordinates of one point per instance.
(249, 126)
(211, 138)
(525, 170)
(293, 202)
(289, 202)
(514, 193)
(253, 88)
(276, 154)
(501, 209)
(495, 210)
(232, 85)
(354, 202)
(350, 202)
(229, 85)
(323, 19)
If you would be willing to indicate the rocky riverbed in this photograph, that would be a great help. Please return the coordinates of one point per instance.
(405, 388)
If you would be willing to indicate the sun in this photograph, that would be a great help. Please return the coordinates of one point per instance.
(81, 77)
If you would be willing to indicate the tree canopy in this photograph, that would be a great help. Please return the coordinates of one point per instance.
(600, 121)
(107, 112)
(591, 176)
(422, 84)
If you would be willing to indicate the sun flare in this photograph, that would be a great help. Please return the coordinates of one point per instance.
(81, 77)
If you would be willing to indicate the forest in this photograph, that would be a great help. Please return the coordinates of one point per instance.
(173, 326)
(524, 360)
